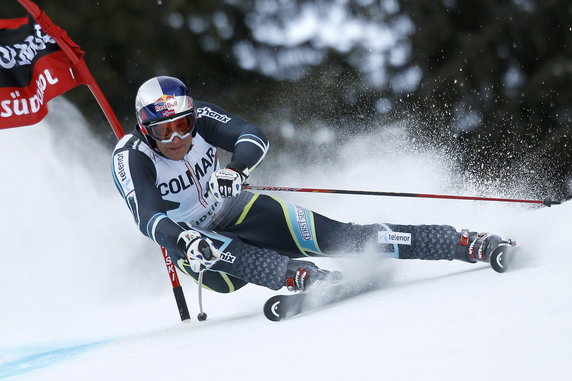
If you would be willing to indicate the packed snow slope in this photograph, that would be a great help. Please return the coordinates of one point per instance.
(84, 296)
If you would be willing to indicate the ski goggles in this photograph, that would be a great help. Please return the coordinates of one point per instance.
(165, 132)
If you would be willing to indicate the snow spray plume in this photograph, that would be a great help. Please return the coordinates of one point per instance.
(80, 259)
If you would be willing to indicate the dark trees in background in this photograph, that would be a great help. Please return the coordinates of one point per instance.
(491, 79)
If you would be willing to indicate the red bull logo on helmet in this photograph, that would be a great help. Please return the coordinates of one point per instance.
(166, 103)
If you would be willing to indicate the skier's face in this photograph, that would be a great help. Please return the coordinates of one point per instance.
(174, 138)
(176, 149)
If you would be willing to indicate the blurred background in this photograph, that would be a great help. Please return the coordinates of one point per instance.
(487, 81)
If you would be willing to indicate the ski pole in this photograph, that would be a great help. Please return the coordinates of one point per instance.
(177, 288)
(394, 194)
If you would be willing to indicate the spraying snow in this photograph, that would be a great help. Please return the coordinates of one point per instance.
(83, 295)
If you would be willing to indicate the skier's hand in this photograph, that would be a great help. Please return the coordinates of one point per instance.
(226, 183)
(200, 252)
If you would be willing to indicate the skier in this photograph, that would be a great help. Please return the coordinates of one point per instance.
(168, 172)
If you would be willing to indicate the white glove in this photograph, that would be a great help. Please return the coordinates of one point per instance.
(201, 252)
(226, 183)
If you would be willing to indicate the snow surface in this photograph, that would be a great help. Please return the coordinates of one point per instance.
(84, 296)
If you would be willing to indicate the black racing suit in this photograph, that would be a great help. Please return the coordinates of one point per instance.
(256, 233)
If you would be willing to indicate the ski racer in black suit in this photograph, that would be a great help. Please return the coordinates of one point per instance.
(168, 172)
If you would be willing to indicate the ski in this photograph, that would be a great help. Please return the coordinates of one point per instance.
(280, 307)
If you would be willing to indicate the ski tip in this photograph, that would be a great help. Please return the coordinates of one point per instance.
(502, 256)
(273, 308)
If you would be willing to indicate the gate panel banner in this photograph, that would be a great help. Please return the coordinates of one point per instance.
(33, 70)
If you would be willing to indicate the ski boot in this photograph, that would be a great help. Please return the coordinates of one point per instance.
(485, 247)
(303, 275)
